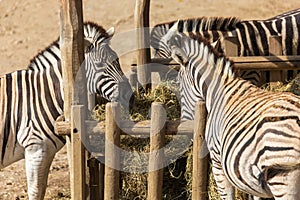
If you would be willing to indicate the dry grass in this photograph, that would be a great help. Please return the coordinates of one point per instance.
(293, 86)
(164, 93)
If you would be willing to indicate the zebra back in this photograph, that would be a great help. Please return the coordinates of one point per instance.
(286, 14)
(253, 35)
(209, 27)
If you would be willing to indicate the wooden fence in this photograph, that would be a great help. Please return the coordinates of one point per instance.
(276, 64)
(156, 128)
(106, 185)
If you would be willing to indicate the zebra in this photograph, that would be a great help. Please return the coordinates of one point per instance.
(252, 36)
(253, 135)
(32, 99)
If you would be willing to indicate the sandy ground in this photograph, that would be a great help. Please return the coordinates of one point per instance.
(29, 26)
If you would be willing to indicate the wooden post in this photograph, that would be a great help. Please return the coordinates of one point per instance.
(275, 49)
(156, 159)
(94, 182)
(200, 164)
(72, 53)
(96, 168)
(78, 153)
(141, 18)
(101, 180)
(112, 156)
(231, 46)
(71, 45)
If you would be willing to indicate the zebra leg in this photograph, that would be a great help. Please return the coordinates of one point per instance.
(225, 188)
(286, 185)
(38, 159)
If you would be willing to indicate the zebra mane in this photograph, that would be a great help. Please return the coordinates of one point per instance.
(200, 39)
(92, 32)
(33, 62)
(198, 25)
(217, 55)
(203, 24)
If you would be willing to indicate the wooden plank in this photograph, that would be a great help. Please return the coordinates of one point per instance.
(156, 157)
(231, 46)
(112, 156)
(200, 163)
(268, 66)
(141, 20)
(248, 63)
(130, 128)
(78, 153)
(275, 49)
(246, 59)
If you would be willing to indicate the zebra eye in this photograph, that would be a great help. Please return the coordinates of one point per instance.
(112, 58)
(100, 65)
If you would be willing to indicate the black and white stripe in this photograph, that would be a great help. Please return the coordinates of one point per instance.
(32, 99)
(253, 35)
(253, 135)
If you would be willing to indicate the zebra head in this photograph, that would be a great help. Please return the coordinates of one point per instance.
(200, 69)
(159, 36)
(103, 72)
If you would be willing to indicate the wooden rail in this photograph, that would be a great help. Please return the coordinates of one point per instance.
(275, 64)
(129, 127)
(245, 63)
(155, 128)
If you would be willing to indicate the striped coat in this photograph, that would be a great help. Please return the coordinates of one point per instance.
(253, 35)
(253, 136)
(32, 99)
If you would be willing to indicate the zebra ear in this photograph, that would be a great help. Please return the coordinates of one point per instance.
(171, 32)
(111, 31)
(179, 55)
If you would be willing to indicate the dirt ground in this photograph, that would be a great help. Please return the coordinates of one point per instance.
(29, 26)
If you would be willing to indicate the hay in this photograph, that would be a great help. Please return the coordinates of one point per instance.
(165, 93)
(134, 185)
(292, 86)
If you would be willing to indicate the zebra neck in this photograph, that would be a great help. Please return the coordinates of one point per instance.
(214, 79)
